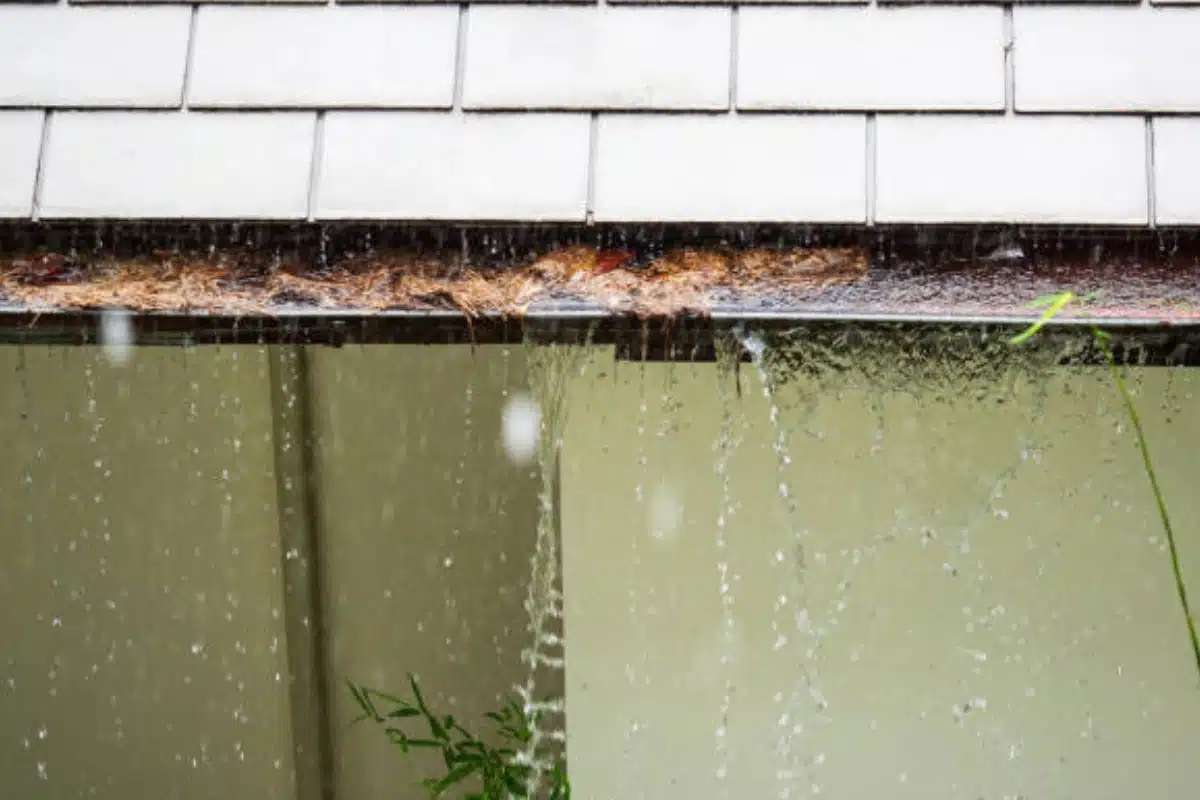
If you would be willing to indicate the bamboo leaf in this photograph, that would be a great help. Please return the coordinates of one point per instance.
(1055, 304)
(416, 690)
(401, 713)
(362, 696)
(452, 778)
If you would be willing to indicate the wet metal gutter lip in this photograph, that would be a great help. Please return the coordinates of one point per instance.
(582, 314)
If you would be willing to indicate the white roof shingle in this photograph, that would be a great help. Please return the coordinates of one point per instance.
(429, 166)
(769, 168)
(1177, 171)
(626, 58)
(871, 59)
(177, 166)
(1011, 169)
(1107, 59)
(55, 56)
(324, 57)
(1076, 112)
(20, 141)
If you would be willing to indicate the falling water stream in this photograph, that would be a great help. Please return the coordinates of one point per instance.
(872, 543)
(728, 440)
(794, 375)
(551, 367)
(791, 769)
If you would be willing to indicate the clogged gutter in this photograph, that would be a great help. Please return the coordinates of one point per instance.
(1128, 280)
(244, 283)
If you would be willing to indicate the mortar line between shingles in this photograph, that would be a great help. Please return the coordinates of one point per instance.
(870, 172)
(1010, 75)
(734, 31)
(1151, 176)
(593, 146)
(35, 203)
(314, 170)
(460, 57)
(186, 89)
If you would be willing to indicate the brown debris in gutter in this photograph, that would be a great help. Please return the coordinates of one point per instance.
(246, 283)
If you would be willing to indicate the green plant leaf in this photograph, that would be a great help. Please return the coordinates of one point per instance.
(362, 696)
(401, 713)
(435, 726)
(513, 784)
(464, 754)
(416, 690)
(1159, 499)
(405, 741)
(452, 778)
(1054, 304)
(391, 698)
(1044, 300)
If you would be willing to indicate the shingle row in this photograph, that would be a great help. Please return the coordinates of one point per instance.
(560, 166)
(1098, 58)
(594, 2)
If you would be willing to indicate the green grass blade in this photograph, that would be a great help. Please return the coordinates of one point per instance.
(1160, 501)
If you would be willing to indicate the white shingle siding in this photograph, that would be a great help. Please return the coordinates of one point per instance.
(747, 2)
(871, 58)
(193, 2)
(171, 166)
(616, 58)
(1011, 169)
(730, 169)
(431, 166)
(1107, 59)
(654, 79)
(1177, 171)
(324, 57)
(54, 56)
(20, 140)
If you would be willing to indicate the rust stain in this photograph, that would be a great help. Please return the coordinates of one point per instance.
(248, 283)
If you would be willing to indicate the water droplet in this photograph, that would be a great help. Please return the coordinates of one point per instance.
(116, 335)
(521, 428)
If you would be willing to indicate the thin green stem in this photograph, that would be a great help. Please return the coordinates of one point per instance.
(1055, 304)
(1180, 586)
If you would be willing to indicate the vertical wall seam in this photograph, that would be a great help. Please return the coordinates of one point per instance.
(314, 167)
(1010, 79)
(189, 56)
(593, 148)
(460, 57)
(35, 202)
(312, 510)
(1151, 175)
(734, 28)
(871, 169)
(298, 509)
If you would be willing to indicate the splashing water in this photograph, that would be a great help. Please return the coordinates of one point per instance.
(728, 440)
(522, 424)
(792, 768)
(551, 369)
(117, 335)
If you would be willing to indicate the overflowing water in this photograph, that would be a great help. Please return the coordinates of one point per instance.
(830, 564)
